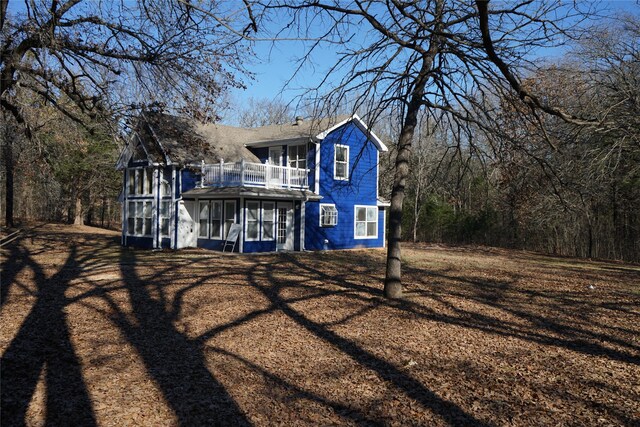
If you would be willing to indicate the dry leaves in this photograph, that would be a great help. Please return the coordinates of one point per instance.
(95, 333)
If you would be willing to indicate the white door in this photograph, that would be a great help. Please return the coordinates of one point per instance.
(275, 159)
(187, 225)
(284, 227)
(275, 156)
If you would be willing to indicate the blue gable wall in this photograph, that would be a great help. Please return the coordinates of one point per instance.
(360, 189)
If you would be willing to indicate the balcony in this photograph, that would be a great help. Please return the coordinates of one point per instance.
(253, 175)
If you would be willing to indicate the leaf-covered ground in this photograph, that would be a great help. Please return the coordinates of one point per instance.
(93, 333)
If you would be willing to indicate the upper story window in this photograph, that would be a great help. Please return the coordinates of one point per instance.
(341, 162)
(328, 215)
(140, 182)
(298, 156)
(366, 222)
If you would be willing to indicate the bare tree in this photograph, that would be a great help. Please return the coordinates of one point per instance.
(106, 57)
(438, 55)
(262, 112)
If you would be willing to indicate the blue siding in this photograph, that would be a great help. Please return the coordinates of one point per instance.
(140, 242)
(188, 180)
(262, 153)
(360, 189)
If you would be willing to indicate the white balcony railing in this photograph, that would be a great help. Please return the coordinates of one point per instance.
(253, 175)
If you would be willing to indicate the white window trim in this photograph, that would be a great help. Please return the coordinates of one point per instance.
(168, 217)
(139, 174)
(273, 226)
(224, 215)
(355, 221)
(258, 221)
(306, 158)
(320, 215)
(335, 153)
(208, 221)
(135, 217)
(221, 219)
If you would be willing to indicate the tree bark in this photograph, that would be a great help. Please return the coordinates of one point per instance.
(7, 152)
(78, 220)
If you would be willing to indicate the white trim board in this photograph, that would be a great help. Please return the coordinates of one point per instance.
(363, 127)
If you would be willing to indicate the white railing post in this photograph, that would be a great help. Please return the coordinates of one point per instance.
(203, 174)
(267, 175)
(221, 179)
(242, 173)
(288, 172)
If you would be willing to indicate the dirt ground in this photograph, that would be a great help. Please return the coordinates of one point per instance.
(93, 333)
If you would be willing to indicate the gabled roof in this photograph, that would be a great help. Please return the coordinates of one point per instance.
(168, 139)
(363, 127)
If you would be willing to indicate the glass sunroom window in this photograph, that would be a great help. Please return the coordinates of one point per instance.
(204, 220)
(253, 220)
(268, 220)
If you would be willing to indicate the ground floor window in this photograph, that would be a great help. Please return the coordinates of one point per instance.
(215, 218)
(328, 215)
(139, 216)
(260, 220)
(203, 217)
(165, 217)
(268, 220)
(253, 221)
(366, 222)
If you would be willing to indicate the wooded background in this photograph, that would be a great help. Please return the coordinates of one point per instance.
(508, 177)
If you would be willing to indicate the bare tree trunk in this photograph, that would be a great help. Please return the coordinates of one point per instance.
(8, 171)
(78, 220)
(7, 153)
(393, 277)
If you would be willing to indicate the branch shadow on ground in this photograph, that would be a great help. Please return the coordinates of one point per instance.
(42, 346)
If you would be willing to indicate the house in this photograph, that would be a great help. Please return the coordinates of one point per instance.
(308, 185)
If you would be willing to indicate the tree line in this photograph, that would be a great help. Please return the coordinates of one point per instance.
(491, 145)
(541, 184)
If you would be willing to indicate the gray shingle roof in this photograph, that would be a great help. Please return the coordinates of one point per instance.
(186, 141)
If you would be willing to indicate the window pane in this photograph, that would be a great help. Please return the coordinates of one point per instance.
(204, 211)
(361, 214)
(267, 231)
(216, 210)
(371, 214)
(131, 223)
(341, 154)
(132, 210)
(148, 185)
(147, 226)
(139, 181)
(164, 209)
(360, 229)
(132, 181)
(164, 227)
(267, 214)
(230, 211)
(215, 228)
(252, 230)
(252, 211)
(371, 228)
(138, 225)
(341, 170)
(203, 232)
(147, 210)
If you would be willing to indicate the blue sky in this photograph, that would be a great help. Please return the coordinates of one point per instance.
(274, 64)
